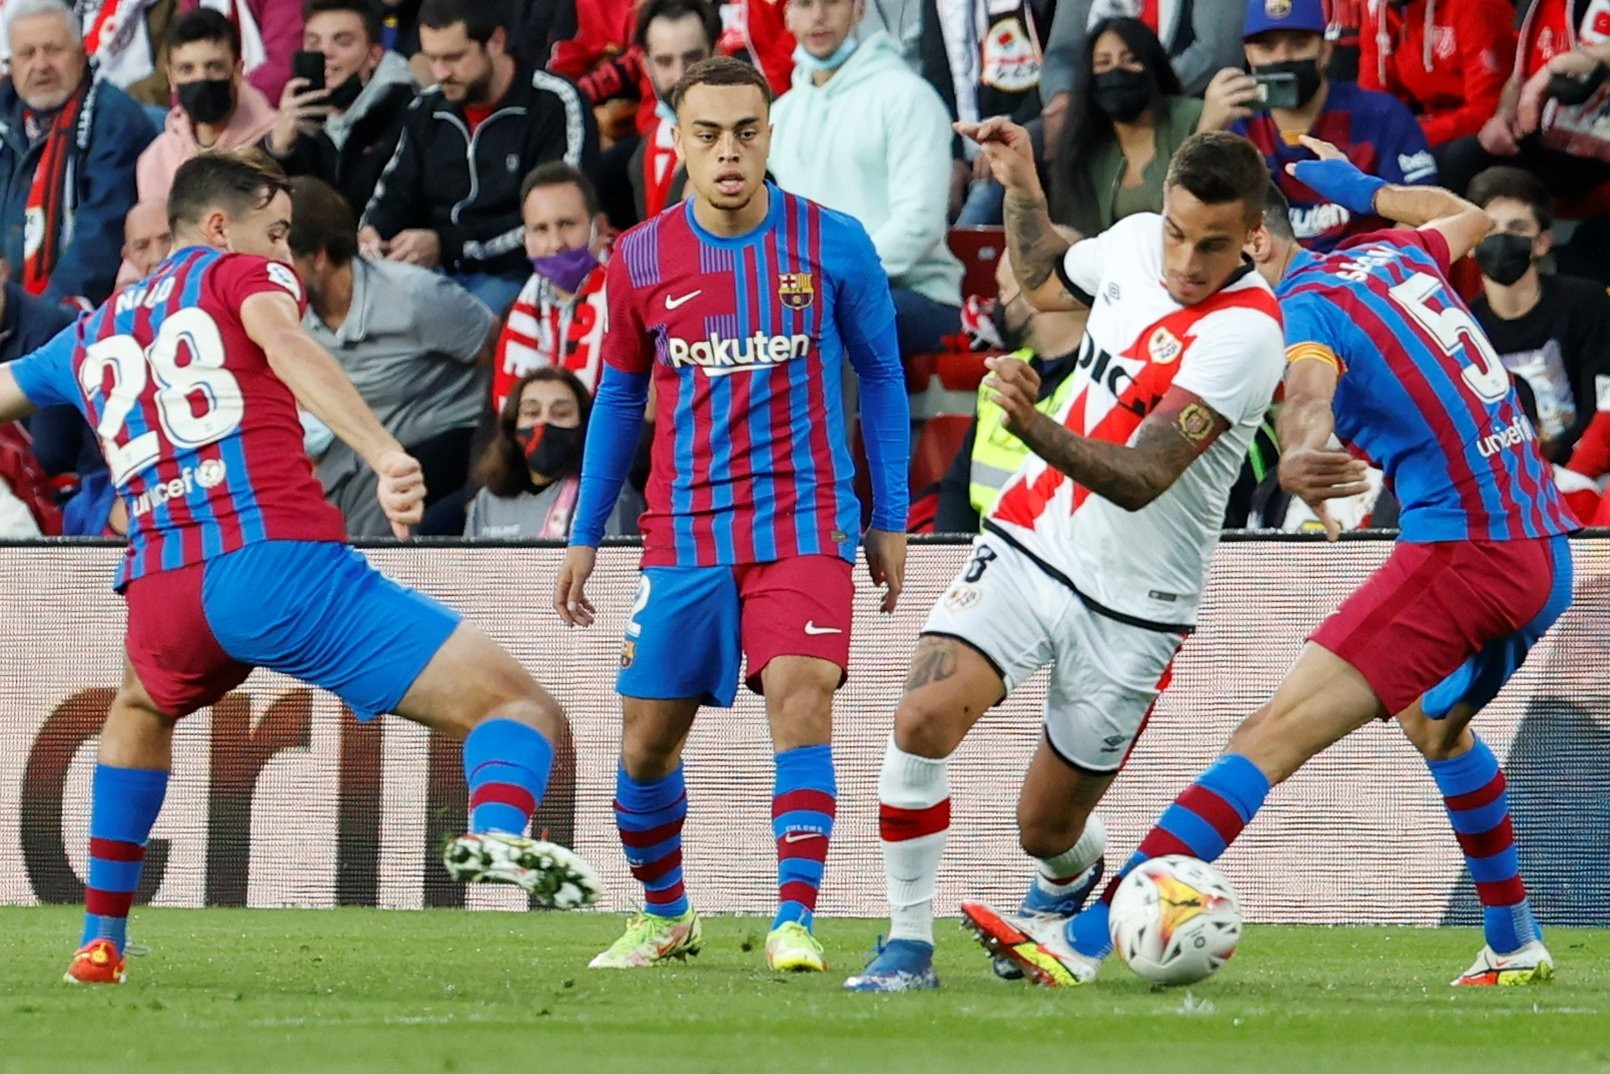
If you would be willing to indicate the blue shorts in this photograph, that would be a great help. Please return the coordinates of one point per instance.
(690, 628)
(1479, 678)
(312, 609)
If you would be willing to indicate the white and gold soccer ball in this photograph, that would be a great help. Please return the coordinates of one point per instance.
(1175, 920)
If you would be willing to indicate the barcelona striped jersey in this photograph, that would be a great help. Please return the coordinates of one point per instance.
(1422, 394)
(202, 440)
(745, 339)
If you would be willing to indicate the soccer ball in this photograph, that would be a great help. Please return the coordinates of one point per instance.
(1175, 920)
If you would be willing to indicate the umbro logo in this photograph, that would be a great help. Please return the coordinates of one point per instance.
(672, 303)
(1112, 292)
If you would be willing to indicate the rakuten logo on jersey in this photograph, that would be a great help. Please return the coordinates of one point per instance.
(1316, 220)
(210, 473)
(718, 357)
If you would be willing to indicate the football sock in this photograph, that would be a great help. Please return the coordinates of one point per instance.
(913, 821)
(649, 816)
(1064, 873)
(1473, 790)
(124, 807)
(506, 765)
(802, 808)
(1202, 822)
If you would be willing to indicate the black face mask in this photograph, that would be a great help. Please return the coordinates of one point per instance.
(1307, 72)
(1012, 336)
(208, 100)
(1123, 94)
(1504, 258)
(341, 97)
(550, 450)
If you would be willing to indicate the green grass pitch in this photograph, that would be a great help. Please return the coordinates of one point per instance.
(366, 990)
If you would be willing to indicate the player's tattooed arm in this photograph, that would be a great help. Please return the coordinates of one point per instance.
(1177, 430)
(1037, 248)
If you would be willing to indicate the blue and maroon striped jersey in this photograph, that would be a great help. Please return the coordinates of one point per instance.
(746, 339)
(1422, 393)
(202, 439)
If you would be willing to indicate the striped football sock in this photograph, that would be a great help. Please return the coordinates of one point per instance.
(1473, 790)
(506, 764)
(649, 816)
(1202, 822)
(802, 808)
(913, 822)
(125, 806)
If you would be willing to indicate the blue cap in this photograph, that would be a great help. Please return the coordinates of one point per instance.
(1264, 15)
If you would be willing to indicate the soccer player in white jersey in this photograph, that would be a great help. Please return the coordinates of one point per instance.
(1095, 555)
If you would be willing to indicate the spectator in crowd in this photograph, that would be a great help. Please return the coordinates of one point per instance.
(558, 319)
(270, 31)
(1129, 116)
(1551, 331)
(217, 108)
(1198, 36)
(147, 239)
(411, 340)
(989, 454)
(450, 196)
(1446, 61)
(1552, 115)
(984, 58)
(586, 33)
(530, 473)
(902, 21)
(1377, 132)
(346, 132)
(68, 146)
(760, 30)
(861, 133)
(121, 38)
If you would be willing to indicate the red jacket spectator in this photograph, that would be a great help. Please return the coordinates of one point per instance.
(1448, 61)
(604, 28)
(274, 26)
(759, 29)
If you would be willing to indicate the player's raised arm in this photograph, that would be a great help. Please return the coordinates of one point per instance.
(272, 321)
(1432, 208)
(1037, 248)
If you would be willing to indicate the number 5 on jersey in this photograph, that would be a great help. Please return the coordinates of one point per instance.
(197, 400)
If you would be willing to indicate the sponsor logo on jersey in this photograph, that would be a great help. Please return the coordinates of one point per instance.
(1417, 166)
(1516, 432)
(719, 357)
(1318, 219)
(285, 276)
(1109, 372)
(208, 474)
(796, 290)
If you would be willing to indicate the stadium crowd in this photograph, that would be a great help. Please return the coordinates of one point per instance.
(462, 167)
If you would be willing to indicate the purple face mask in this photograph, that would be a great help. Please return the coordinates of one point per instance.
(566, 270)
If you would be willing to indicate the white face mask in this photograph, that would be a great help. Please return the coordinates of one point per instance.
(832, 62)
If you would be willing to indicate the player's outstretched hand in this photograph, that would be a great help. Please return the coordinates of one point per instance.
(1015, 388)
(569, 598)
(886, 563)
(1320, 148)
(401, 491)
(1009, 150)
(1315, 475)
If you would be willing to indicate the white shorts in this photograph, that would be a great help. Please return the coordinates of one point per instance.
(1106, 674)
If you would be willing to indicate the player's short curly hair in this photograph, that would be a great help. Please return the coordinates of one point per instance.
(1216, 167)
(720, 71)
(235, 180)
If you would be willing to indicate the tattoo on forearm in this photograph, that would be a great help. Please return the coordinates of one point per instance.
(934, 661)
(1036, 246)
(1178, 429)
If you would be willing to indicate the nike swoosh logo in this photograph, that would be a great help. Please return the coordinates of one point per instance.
(800, 837)
(673, 303)
(812, 629)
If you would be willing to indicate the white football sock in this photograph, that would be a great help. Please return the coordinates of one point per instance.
(914, 801)
(1072, 864)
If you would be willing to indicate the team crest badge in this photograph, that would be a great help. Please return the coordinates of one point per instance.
(796, 290)
(1164, 346)
(1277, 9)
(963, 597)
(628, 654)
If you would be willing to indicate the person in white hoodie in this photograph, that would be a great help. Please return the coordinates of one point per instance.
(861, 133)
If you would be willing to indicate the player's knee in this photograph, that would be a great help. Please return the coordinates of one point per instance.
(919, 728)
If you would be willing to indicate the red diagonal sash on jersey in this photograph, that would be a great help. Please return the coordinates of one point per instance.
(1162, 345)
